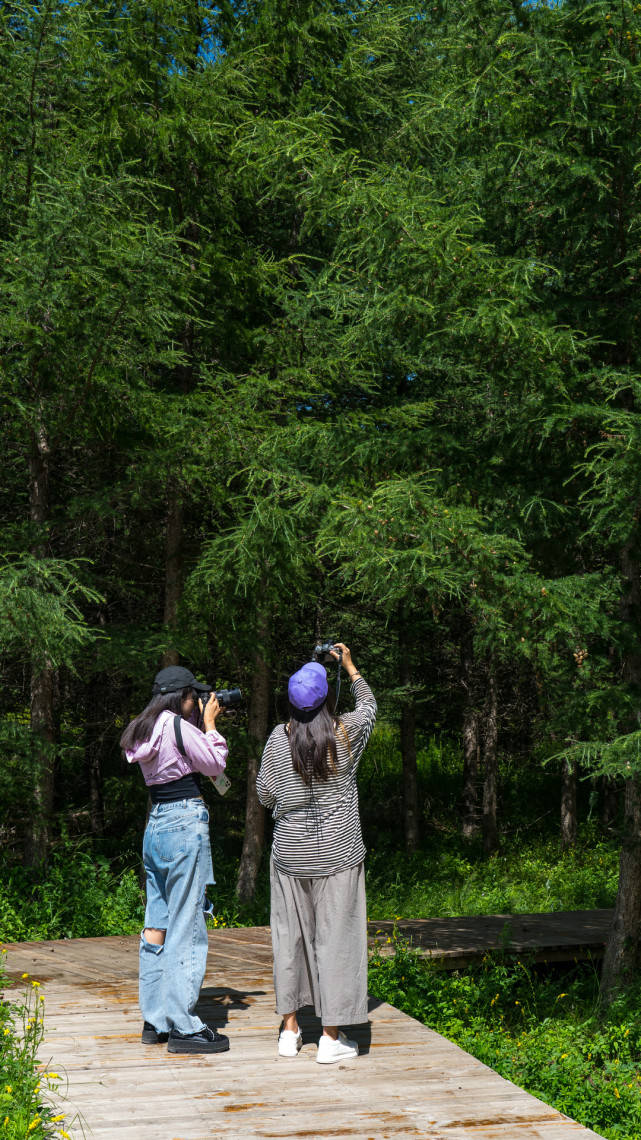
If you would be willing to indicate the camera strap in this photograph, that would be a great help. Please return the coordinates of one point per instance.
(221, 783)
(178, 733)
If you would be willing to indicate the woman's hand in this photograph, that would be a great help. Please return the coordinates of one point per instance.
(212, 710)
(349, 665)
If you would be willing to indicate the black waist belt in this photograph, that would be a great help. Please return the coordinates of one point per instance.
(186, 788)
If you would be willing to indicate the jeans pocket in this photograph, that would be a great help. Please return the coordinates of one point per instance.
(173, 828)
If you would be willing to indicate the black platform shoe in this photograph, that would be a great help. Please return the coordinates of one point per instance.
(207, 1040)
(149, 1035)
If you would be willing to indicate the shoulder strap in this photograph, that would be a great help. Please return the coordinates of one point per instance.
(179, 736)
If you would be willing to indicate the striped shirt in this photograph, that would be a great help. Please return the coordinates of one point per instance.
(317, 829)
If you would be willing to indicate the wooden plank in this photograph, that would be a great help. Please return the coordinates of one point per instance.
(454, 942)
(408, 1082)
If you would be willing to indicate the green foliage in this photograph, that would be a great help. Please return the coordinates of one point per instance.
(540, 1028)
(29, 1099)
(80, 897)
(85, 895)
(526, 877)
(41, 611)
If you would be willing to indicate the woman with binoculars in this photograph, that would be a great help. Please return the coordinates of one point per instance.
(318, 913)
(172, 753)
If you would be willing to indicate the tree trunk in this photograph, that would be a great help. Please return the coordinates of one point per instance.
(175, 502)
(623, 949)
(490, 766)
(42, 688)
(94, 709)
(258, 721)
(621, 957)
(609, 801)
(43, 732)
(173, 568)
(410, 783)
(568, 805)
(408, 748)
(471, 756)
(471, 746)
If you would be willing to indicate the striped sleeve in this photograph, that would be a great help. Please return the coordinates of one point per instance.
(360, 721)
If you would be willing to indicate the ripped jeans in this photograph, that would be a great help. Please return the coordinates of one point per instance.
(177, 859)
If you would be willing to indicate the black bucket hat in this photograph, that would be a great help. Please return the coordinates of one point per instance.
(175, 678)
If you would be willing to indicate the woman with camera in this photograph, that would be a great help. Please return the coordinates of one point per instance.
(318, 914)
(172, 753)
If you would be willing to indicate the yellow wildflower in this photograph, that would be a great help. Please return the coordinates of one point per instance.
(52, 1076)
(563, 1056)
(617, 1094)
(64, 1134)
(25, 975)
(9, 1089)
(34, 1124)
(35, 984)
(5, 1122)
(58, 1118)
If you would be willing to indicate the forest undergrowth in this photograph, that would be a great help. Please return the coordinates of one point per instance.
(94, 888)
(84, 895)
(539, 1026)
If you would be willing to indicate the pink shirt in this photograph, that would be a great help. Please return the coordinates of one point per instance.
(160, 760)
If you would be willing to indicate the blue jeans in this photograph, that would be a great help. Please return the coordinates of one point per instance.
(177, 859)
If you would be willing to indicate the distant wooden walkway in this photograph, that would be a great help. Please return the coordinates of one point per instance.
(453, 942)
(409, 1081)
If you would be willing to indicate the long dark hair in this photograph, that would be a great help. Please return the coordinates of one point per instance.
(312, 741)
(141, 727)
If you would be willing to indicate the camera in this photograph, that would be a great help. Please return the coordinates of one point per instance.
(323, 652)
(227, 698)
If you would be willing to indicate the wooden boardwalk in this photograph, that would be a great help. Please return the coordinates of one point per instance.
(453, 942)
(408, 1081)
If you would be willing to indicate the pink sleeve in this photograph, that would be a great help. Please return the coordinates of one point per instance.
(206, 750)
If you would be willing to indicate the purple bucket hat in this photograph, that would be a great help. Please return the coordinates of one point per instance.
(307, 688)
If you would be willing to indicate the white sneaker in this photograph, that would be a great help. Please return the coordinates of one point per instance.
(330, 1051)
(289, 1043)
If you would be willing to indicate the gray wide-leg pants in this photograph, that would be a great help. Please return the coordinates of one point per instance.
(319, 939)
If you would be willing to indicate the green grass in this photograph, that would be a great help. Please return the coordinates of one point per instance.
(525, 877)
(539, 1027)
(80, 896)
